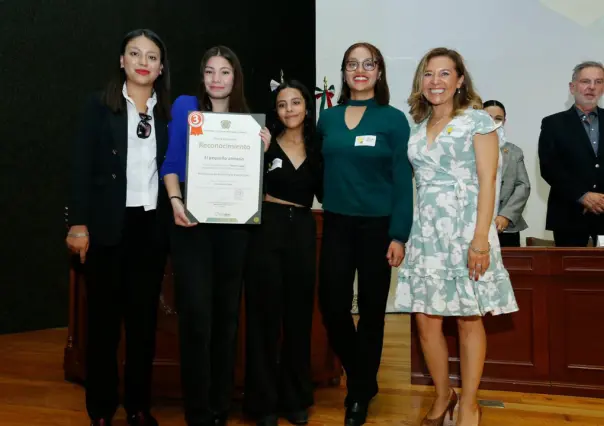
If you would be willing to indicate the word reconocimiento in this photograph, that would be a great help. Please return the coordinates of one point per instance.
(224, 146)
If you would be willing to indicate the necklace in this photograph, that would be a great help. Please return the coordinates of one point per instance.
(441, 119)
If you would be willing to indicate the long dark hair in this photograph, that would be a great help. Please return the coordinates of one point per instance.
(495, 103)
(112, 95)
(382, 92)
(237, 102)
(310, 141)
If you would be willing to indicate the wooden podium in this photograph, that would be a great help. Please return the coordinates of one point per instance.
(326, 369)
(555, 343)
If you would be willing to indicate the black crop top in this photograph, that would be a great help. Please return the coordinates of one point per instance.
(282, 180)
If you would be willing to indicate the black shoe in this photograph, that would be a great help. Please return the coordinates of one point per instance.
(299, 417)
(142, 419)
(270, 420)
(220, 419)
(100, 422)
(364, 397)
(356, 414)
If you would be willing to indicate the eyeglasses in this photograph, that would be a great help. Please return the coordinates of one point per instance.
(143, 130)
(368, 65)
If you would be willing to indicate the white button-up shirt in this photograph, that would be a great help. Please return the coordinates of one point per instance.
(141, 164)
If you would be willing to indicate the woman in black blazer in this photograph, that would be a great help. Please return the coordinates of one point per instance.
(116, 223)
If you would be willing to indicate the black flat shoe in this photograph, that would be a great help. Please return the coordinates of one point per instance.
(220, 419)
(299, 417)
(356, 414)
(142, 419)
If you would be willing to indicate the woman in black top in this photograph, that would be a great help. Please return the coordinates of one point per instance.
(280, 275)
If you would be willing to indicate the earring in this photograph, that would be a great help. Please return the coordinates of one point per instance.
(458, 90)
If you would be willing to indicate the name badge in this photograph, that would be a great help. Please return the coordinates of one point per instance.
(367, 140)
(275, 164)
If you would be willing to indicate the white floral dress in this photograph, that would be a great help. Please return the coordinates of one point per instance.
(434, 277)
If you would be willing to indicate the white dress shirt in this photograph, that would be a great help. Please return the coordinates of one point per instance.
(141, 165)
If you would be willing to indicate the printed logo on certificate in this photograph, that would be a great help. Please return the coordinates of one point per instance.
(225, 156)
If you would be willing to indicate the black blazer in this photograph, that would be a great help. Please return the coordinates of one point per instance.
(97, 195)
(571, 168)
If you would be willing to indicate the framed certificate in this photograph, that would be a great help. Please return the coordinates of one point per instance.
(224, 171)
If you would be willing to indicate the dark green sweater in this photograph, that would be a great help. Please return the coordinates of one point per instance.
(369, 177)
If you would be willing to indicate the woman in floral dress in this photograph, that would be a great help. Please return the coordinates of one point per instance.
(453, 265)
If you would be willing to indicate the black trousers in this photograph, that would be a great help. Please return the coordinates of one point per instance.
(208, 262)
(279, 293)
(123, 283)
(575, 238)
(509, 239)
(355, 244)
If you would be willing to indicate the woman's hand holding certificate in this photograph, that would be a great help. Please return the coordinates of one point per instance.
(225, 153)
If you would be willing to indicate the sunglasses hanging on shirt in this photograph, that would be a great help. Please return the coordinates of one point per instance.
(143, 130)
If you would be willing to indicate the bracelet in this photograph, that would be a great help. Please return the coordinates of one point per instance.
(77, 234)
(475, 250)
(176, 196)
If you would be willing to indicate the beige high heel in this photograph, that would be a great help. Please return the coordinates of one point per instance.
(441, 419)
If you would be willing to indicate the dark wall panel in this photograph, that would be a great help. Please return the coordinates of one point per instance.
(52, 53)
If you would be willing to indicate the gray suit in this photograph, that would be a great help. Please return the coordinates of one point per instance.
(515, 187)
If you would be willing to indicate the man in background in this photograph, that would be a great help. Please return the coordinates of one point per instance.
(571, 157)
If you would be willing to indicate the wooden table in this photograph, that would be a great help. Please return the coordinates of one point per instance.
(555, 343)
(326, 369)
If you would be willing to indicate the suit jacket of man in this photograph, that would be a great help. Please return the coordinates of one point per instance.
(515, 187)
(571, 168)
(98, 154)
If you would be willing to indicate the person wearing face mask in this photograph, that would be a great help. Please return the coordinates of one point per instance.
(368, 207)
(453, 265)
(280, 274)
(117, 218)
(208, 259)
(571, 148)
(514, 187)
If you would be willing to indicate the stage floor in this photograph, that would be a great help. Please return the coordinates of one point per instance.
(33, 391)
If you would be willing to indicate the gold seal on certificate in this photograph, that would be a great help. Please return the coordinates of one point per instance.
(225, 157)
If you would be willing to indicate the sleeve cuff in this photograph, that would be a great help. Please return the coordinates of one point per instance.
(508, 218)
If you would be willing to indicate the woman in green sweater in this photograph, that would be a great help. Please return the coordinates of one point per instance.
(368, 209)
